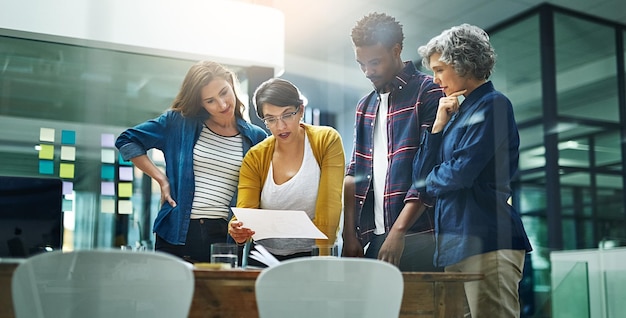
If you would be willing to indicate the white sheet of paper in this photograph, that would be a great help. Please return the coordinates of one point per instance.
(278, 223)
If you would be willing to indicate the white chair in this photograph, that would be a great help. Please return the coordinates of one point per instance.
(102, 283)
(320, 287)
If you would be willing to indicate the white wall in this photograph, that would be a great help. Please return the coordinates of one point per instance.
(231, 32)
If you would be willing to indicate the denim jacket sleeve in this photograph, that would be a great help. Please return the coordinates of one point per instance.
(481, 147)
(139, 139)
(425, 160)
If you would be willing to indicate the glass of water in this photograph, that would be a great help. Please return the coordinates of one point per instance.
(224, 254)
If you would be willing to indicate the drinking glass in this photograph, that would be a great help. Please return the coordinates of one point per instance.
(224, 254)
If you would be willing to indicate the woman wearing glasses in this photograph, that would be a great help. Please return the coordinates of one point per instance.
(202, 129)
(299, 167)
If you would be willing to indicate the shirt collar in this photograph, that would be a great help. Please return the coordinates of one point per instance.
(403, 77)
(478, 93)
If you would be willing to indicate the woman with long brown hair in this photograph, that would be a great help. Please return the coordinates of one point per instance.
(204, 138)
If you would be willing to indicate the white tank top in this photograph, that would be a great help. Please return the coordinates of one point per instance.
(298, 193)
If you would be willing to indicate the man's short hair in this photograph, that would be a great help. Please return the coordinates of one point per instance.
(377, 28)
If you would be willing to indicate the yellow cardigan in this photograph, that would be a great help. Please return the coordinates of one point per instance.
(328, 151)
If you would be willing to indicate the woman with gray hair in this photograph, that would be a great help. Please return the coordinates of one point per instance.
(464, 168)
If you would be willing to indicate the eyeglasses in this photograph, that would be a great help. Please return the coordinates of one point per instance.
(285, 118)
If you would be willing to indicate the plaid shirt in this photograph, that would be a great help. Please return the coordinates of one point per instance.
(411, 89)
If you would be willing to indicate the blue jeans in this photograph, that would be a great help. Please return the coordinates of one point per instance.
(417, 255)
(202, 233)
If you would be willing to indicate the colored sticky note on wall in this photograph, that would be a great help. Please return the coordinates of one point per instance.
(124, 207)
(68, 205)
(46, 167)
(126, 173)
(68, 187)
(46, 152)
(68, 137)
(46, 134)
(107, 188)
(124, 162)
(107, 205)
(66, 170)
(107, 172)
(108, 156)
(68, 153)
(107, 140)
(125, 189)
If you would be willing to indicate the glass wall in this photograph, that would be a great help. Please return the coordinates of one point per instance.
(586, 69)
(61, 108)
(590, 148)
(584, 115)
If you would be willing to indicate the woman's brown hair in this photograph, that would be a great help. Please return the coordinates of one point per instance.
(189, 99)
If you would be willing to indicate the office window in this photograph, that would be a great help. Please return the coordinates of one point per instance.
(518, 71)
(61, 108)
(532, 199)
(610, 197)
(537, 230)
(607, 150)
(586, 69)
(570, 234)
(568, 200)
(532, 150)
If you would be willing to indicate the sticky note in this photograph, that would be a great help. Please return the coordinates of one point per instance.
(107, 172)
(68, 137)
(126, 174)
(107, 140)
(108, 156)
(107, 188)
(66, 170)
(68, 187)
(67, 205)
(124, 162)
(46, 152)
(68, 153)
(107, 205)
(125, 207)
(125, 189)
(46, 167)
(46, 134)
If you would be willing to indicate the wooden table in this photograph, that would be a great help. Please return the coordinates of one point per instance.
(231, 294)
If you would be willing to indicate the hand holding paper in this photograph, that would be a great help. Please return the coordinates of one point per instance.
(278, 223)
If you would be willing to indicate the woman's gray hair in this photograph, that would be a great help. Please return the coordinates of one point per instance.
(465, 47)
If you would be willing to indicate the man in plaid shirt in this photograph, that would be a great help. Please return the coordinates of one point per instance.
(389, 122)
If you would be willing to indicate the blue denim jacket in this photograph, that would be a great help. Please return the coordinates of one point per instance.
(466, 171)
(176, 136)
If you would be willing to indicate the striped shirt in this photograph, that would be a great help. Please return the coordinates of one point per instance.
(216, 163)
(411, 89)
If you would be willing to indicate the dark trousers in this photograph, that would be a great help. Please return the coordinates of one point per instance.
(202, 233)
(419, 250)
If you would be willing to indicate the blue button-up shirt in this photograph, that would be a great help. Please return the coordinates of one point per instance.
(467, 170)
(413, 102)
